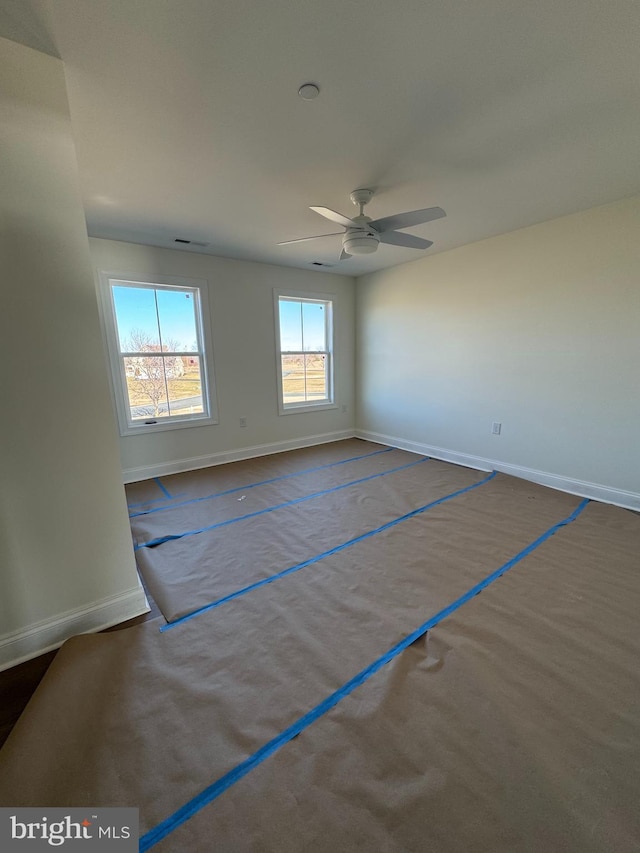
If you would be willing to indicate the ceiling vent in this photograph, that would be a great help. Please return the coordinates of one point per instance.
(184, 242)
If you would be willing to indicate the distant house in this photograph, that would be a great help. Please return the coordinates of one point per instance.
(150, 367)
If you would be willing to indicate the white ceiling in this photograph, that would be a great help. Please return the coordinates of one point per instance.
(187, 121)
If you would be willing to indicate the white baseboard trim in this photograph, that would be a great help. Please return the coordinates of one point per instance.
(178, 466)
(594, 491)
(49, 634)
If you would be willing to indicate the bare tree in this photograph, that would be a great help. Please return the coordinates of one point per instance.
(152, 372)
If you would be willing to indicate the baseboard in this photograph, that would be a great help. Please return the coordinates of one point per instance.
(49, 634)
(178, 466)
(594, 491)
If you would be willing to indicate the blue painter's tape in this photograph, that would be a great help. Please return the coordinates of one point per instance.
(146, 503)
(165, 491)
(261, 483)
(162, 539)
(328, 553)
(213, 791)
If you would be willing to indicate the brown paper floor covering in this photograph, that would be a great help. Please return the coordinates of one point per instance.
(514, 727)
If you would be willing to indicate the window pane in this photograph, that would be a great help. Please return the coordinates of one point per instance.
(136, 319)
(184, 381)
(316, 377)
(146, 387)
(177, 318)
(290, 325)
(313, 326)
(293, 380)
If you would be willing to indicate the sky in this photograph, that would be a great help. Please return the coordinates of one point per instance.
(302, 325)
(169, 315)
(174, 320)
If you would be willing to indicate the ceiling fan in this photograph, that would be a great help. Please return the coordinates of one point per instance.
(363, 234)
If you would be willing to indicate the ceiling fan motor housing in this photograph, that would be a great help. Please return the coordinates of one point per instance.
(357, 242)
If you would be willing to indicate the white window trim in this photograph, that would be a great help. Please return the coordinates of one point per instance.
(116, 379)
(306, 406)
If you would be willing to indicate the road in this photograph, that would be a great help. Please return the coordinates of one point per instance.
(147, 411)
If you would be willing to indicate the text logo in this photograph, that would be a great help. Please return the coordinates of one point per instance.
(99, 829)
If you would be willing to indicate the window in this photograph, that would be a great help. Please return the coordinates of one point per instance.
(304, 331)
(159, 352)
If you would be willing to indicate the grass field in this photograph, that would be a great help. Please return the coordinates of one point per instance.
(184, 386)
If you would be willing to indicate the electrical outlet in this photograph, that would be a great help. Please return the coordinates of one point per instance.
(496, 428)
(243, 422)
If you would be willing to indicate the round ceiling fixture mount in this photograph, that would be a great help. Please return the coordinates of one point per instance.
(309, 91)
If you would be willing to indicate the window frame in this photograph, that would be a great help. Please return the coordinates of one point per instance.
(329, 300)
(117, 374)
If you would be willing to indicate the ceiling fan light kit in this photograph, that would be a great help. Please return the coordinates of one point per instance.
(360, 244)
(362, 234)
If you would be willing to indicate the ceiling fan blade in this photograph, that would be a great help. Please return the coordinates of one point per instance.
(406, 220)
(334, 217)
(304, 239)
(394, 238)
(344, 255)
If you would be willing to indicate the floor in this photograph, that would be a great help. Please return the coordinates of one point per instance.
(325, 675)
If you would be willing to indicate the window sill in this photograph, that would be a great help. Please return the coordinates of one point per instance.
(164, 425)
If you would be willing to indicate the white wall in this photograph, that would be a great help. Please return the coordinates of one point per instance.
(66, 560)
(538, 329)
(242, 320)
